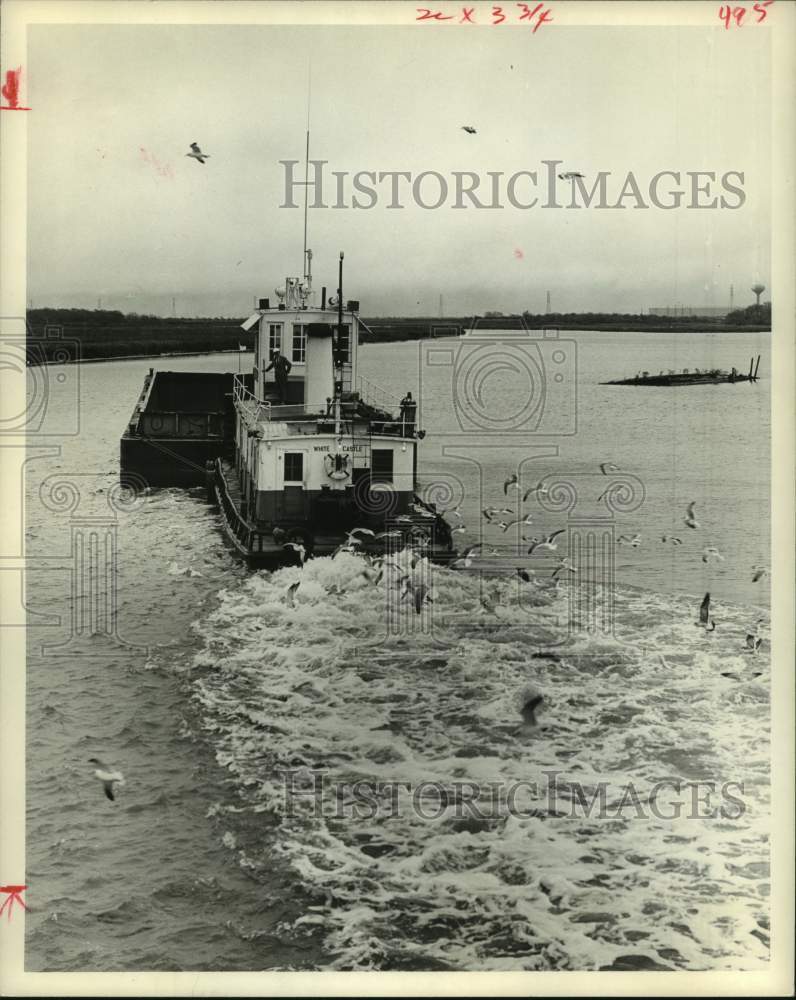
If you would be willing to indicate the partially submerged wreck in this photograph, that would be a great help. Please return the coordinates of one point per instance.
(711, 376)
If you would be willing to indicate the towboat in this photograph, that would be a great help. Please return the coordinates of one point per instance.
(303, 454)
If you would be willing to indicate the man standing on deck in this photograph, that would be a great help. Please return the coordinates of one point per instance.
(281, 367)
(408, 414)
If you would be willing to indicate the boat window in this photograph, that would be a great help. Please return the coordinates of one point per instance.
(381, 469)
(274, 338)
(294, 466)
(299, 342)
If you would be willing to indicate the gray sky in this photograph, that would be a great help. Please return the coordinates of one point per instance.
(116, 209)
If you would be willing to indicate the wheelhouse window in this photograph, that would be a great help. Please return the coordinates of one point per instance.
(274, 338)
(299, 343)
(381, 465)
(294, 467)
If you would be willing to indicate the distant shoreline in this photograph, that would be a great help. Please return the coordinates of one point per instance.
(69, 336)
(409, 334)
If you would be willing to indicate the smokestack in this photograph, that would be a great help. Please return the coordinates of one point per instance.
(323, 297)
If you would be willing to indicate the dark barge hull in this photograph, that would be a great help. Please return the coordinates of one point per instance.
(181, 421)
(713, 377)
(683, 380)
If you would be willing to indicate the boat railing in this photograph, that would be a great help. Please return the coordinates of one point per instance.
(249, 538)
(259, 409)
(375, 396)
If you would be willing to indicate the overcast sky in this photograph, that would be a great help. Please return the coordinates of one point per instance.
(117, 211)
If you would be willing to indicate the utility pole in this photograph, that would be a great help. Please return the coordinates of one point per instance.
(548, 302)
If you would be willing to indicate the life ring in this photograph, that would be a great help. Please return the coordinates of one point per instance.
(337, 466)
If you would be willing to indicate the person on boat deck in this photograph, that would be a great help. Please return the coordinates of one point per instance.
(408, 413)
(281, 367)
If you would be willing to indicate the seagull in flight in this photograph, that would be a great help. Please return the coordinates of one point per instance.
(690, 519)
(290, 593)
(299, 549)
(469, 129)
(456, 511)
(197, 154)
(608, 467)
(529, 709)
(759, 573)
(107, 776)
(489, 512)
(351, 536)
(564, 564)
(635, 541)
(468, 555)
(711, 553)
(520, 520)
(512, 483)
(704, 614)
(539, 488)
(569, 174)
(549, 544)
(672, 538)
(525, 574)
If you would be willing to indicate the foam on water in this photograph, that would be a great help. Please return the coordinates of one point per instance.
(354, 685)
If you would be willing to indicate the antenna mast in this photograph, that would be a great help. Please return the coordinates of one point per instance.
(307, 170)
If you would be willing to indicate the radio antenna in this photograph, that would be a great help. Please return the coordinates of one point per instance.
(307, 167)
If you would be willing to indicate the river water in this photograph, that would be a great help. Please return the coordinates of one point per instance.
(241, 839)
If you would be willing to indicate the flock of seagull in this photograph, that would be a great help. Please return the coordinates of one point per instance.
(549, 543)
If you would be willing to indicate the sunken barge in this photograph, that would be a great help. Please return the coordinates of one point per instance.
(712, 376)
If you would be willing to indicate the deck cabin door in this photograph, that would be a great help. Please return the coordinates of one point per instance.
(292, 479)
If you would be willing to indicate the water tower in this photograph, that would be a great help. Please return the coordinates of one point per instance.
(758, 290)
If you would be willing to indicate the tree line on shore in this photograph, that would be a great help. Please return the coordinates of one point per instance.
(104, 333)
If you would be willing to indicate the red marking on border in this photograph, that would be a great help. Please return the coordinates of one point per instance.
(728, 13)
(10, 90)
(14, 893)
(519, 254)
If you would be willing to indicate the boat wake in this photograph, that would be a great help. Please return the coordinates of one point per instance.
(378, 750)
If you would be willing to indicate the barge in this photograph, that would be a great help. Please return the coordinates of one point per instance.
(713, 376)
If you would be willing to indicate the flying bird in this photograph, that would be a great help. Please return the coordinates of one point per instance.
(608, 467)
(569, 174)
(539, 488)
(466, 558)
(672, 538)
(528, 711)
(197, 154)
(456, 511)
(704, 614)
(519, 520)
(107, 776)
(564, 564)
(298, 548)
(489, 512)
(759, 573)
(709, 553)
(351, 535)
(635, 541)
(469, 129)
(290, 593)
(549, 544)
(690, 520)
(422, 595)
(525, 574)
(511, 483)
